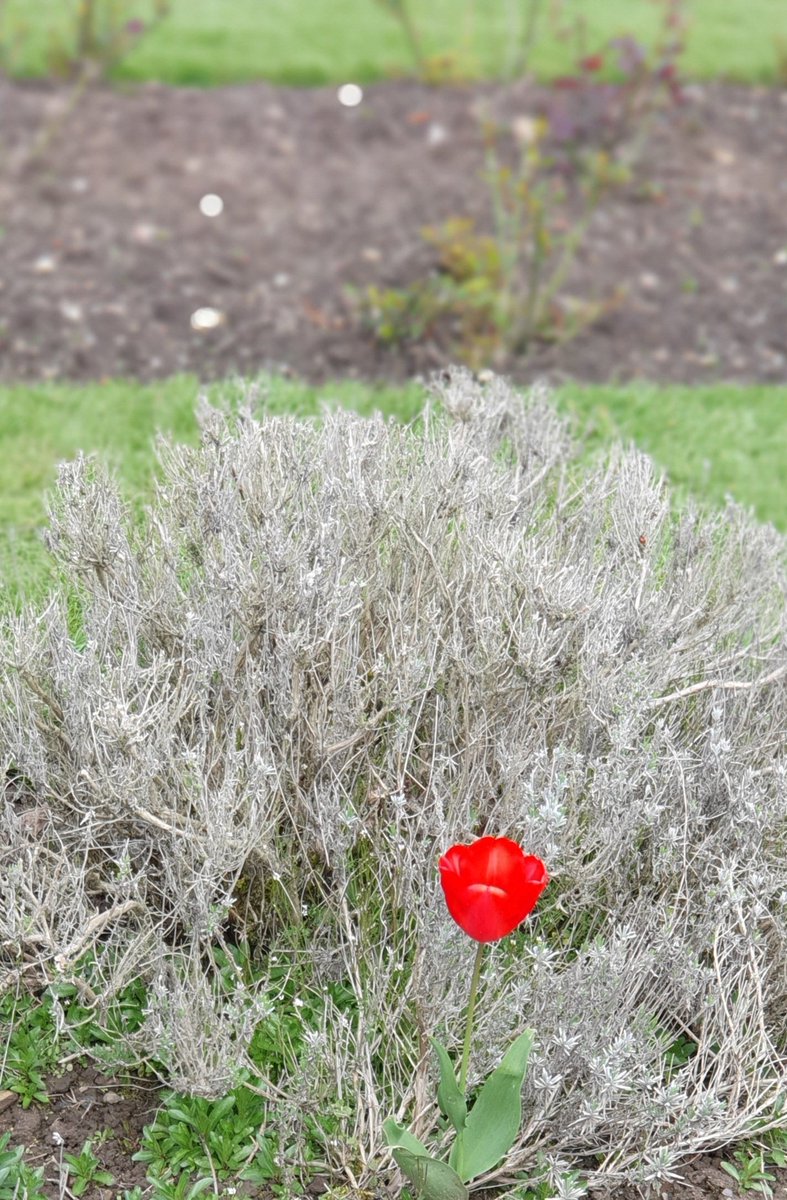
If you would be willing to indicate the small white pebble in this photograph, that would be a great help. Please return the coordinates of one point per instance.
(525, 130)
(144, 232)
(350, 95)
(44, 264)
(211, 205)
(206, 318)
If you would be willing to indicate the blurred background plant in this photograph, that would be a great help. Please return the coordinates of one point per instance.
(89, 39)
(635, 70)
(99, 34)
(502, 292)
(617, 89)
(13, 33)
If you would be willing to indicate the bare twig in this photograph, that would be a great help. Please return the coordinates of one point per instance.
(724, 685)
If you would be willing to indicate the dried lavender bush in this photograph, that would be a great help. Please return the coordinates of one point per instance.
(335, 648)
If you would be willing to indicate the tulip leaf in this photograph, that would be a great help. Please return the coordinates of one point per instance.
(397, 1136)
(493, 1122)
(450, 1099)
(431, 1178)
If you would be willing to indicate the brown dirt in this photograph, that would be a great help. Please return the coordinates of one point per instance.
(105, 254)
(84, 1102)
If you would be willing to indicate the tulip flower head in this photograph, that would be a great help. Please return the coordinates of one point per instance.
(490, 886)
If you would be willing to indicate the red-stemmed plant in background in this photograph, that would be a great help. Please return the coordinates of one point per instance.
(490, 887)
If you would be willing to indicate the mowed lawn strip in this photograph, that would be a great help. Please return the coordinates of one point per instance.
(713, 442)
(211, 42)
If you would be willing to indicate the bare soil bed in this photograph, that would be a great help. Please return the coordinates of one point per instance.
(105, 254)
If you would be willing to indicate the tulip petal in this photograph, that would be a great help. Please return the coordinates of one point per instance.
(490, 886)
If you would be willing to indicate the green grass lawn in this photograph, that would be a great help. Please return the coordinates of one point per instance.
(712, 441)
(208, 42)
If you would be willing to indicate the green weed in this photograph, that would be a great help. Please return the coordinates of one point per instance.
(32, 1050)
(85, 1170)
(18, 1181)
(192, 1135)
(180, 1188)
(750, 1173)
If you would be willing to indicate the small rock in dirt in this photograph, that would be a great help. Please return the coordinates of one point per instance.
(281, 279)
(370, 254)
(45, 264)
(144, 233)
(649, 281)
(318, 1185)
(112, 1097)
(206, 318)
(525, 130)
(436, 134)
(70, 311)
(349, 95)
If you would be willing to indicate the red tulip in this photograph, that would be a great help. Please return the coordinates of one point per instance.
(491, 886)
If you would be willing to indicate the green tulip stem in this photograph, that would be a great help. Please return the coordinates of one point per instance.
(470, 1011)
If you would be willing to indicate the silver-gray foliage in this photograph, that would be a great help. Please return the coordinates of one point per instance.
(335, 648)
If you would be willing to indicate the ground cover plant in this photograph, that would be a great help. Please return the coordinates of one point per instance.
(238, 738)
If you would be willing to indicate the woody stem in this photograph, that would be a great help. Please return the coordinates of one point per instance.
(470, 1010)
